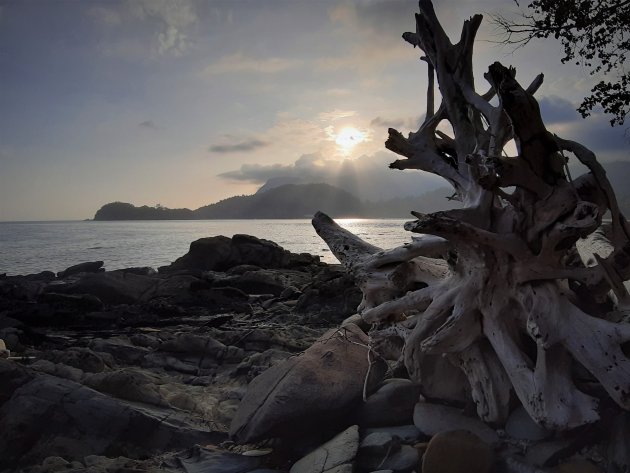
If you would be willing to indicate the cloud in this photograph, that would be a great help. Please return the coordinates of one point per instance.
(336, 115)
(395, 123)
(244, 146)
(554, 109)
(239, 62)
(148, 125)
(594, 132)
(172, 19)
(367, 177)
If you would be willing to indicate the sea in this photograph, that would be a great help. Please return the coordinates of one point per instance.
(32, 247)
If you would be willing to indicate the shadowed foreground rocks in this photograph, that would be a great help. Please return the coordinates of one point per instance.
(139, 371)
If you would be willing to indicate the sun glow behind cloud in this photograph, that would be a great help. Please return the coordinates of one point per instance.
(348, 138)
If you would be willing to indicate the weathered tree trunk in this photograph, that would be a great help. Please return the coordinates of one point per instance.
(496, 286)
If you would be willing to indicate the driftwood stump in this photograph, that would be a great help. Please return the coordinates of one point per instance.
(497, 287)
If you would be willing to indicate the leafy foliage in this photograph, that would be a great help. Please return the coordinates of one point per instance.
(595, 34)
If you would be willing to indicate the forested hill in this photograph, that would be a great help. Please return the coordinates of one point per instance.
(287, 201)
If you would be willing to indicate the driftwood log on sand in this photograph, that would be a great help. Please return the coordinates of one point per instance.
(497, 287)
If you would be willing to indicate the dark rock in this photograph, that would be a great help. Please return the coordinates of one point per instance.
(82, 302)
(521, 426)
(336, 455)
(128, 384)
(221, 253)
(78, 357)
(392, 404)
(140, 271)
(201, 460)
(406, 433)
(43, 276)
(332, 296)
(577, 466)
(377, 445)
(313, 388)
(120, 350)
(457, 451)
(89, 267)
(45, 416)
(432, 419)
(404, 460)
(111, 287)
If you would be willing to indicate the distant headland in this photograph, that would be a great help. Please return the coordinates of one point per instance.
(284, 202)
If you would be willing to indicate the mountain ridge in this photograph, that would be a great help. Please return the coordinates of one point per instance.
(284, 202)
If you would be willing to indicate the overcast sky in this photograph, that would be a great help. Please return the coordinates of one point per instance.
(186, 102)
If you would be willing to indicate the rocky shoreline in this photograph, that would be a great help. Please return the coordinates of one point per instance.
(141, 370)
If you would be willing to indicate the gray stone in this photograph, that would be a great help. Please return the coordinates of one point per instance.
(376, 443)
(314, 387)
(406, 433)
(432, 419)
(404, 460)
(521, 426)
(392, 404)
(332, 457)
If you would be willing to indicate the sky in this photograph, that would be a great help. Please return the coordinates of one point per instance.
(185, 102)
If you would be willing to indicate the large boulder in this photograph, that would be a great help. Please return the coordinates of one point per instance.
(219, 253)
(310, 390)
(88, 267)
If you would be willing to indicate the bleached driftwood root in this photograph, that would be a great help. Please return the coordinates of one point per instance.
(496, 287)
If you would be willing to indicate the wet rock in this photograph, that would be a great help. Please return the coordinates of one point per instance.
(310, 389)
(521, 426)
(221, 253)
(392, 404)
(432, 419)
(89, 267)
(457, 451)
(336, 455)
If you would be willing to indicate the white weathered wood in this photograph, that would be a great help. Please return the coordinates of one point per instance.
(496, 287)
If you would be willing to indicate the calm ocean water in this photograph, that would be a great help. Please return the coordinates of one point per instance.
(31, 247)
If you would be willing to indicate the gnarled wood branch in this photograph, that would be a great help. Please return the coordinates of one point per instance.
(496, 287)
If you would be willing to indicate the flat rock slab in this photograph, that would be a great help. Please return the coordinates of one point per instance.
(311, 389)
(431, 419)
(335, 456)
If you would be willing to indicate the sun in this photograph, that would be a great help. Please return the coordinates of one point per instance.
(348, 138)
